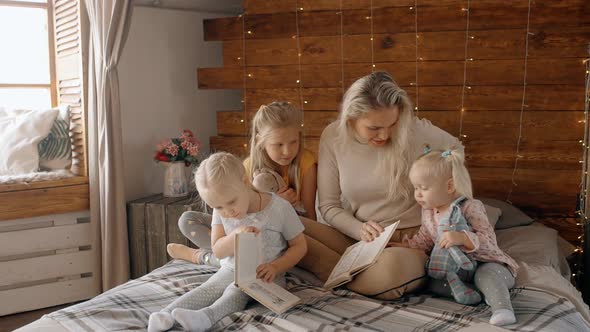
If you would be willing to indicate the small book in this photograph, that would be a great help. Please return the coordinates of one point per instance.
(248, 255)
(359, 257)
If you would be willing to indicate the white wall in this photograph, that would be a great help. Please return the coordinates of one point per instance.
(159, 93)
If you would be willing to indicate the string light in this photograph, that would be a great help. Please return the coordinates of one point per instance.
(300, 86)
(341, 46)
(526, 58)
(245, 76)
(464, 71)
(415, 8)
(372, 37)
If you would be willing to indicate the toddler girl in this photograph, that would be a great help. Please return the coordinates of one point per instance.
(441, 182)
(222, 183)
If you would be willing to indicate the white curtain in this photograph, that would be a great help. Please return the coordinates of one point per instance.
(109, 24)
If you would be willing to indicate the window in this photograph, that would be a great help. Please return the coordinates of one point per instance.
(27, 75)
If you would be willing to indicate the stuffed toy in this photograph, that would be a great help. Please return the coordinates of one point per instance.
(445, 263)
(267, 180)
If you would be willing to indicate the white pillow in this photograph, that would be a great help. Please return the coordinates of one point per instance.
(20, 133)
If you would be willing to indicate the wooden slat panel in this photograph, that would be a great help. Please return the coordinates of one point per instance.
(559, 155)
(484, 15)
(61, 6)
(271, 7)
(68, 67)
(478, 98)
(47, 295)
(444, 45)
(24, 204)
(480, 126)
(44, 267)
(431, 73)
(48, 238)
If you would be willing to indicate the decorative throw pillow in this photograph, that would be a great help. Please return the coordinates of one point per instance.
(20, 133)
(55, 151)
(511, 215)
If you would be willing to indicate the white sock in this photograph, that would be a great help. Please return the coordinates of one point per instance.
(502, 317)
(160, 321)
(192, 320)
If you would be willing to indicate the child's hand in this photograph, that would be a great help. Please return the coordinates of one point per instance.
(288, 194)
(247, 229)
(451, 238)
(267, 272)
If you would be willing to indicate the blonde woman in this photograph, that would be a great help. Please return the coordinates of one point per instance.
(363, 186)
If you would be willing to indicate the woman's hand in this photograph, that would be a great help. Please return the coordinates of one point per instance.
(452, 238)
(370, 231)
(288, 194)
(266, 272)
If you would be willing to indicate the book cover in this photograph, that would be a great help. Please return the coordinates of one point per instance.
(248, 256)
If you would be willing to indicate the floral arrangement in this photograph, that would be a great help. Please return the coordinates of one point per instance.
(184, 148)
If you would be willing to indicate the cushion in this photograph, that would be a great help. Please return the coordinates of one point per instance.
(20, 134)
(511, 215)
(534, 244)
(493, 214)
(55, 151)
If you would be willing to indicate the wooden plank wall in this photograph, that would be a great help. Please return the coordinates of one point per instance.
(424, 49)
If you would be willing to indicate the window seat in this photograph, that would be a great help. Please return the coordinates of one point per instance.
(25, 200)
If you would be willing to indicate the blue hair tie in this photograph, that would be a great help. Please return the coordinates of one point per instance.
(426, 149)
(446, 153)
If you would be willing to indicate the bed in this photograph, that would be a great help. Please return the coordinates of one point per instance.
(543, 299)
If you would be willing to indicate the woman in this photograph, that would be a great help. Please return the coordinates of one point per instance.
(363, 185)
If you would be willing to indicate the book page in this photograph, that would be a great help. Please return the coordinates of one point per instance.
(370, 250)
(346, 262)
(246, 257)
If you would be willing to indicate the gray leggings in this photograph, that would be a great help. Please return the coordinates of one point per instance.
(218, 296)
(492, 279)
(195, 226)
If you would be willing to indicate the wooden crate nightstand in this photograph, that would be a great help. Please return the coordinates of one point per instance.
(153, 223)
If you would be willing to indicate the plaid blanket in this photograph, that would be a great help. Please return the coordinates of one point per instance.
(127, 308)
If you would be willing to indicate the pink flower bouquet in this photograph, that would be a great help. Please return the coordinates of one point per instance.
(184, 148)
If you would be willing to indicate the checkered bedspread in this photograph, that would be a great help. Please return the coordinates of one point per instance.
(127, 307)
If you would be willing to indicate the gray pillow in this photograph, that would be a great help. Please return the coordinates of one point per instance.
(511, 215)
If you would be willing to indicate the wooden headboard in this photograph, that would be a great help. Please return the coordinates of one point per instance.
(442, 66)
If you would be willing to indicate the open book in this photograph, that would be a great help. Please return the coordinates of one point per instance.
(248, 256)
(359, 257)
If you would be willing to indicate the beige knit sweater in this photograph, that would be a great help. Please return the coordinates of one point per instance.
(347, 170)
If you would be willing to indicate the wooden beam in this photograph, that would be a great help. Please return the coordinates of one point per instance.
(568, 71)
(478, 125)
(556, 42)
(484, 15)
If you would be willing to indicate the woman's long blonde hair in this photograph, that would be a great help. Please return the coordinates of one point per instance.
(373, 93)
(446, 164)
(278, 114)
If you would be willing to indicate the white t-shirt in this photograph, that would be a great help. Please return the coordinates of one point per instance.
(277, 222)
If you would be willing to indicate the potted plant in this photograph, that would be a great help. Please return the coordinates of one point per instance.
(175, 154)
